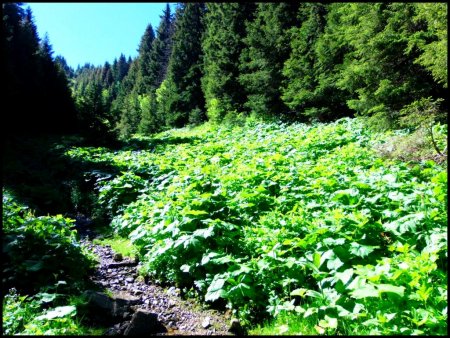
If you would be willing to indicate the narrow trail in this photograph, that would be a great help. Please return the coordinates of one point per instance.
(179, 316)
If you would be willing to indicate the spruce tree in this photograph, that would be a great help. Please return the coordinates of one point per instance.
(126, 105)
(161, 49)
(148, 123)
(122, 68)
(62, 64)
(107, 78)
(267, 48)
(432, 40)
(309, 89)
(379, 70)
(185, 67)
(145, 79)
(222, 46)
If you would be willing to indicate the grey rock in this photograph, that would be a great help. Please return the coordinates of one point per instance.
(121, 264)
(173, 291)
(144, 322)
(112, 331)
(107, 308)
(118, 257)
(206, 322)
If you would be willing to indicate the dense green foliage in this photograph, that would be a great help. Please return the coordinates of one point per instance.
(161, 48)
(328, 228)
(379, 70)
(38, 251)
(45, 314)
(267, 48)
(309, 86)
(43, 272)
(300, 219)
(145, 81)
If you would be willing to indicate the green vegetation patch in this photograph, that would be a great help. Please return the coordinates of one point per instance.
(120, 245)
(44, 271)
(39, 251)
(303, 221)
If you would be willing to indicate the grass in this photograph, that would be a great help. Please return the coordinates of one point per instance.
(286, 324)
(119, 245)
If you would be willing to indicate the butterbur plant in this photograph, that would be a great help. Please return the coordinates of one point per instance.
(39, 251)
(305, 222)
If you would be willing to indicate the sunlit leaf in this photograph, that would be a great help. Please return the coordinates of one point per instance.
(215, 290)
(398, 290)
(361, 250)
(364, 292)
(60, 311)
(299, 292)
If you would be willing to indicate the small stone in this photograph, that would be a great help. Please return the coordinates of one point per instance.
(112, 331)
(129, 280)
(118, 257)
(206, 322)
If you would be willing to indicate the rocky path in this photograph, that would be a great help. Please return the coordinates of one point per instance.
(147, 302)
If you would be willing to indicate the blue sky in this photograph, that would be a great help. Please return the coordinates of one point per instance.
(95, 32)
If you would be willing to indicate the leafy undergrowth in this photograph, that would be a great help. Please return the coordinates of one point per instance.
(304, 222)
(44, 314)
(44, 270)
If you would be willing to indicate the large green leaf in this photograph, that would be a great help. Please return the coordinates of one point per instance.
(195, 212)
(215, 290)
(60, 311)
(405, 224)
(364, 292)
(33, 266)
(398, 290)
(362, 250)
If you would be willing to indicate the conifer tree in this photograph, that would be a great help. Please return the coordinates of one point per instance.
(309, 89)
(126, 106)
(185, 67)
(148, 123)
(432, 40)
(379, 69)
(107, 79)
(62, 64)
(145, 78)
(161, 49)
(222, 46)
(267, 48)
(122, 68)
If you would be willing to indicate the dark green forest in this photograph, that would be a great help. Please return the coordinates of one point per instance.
(271, 91)
(227, 61)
